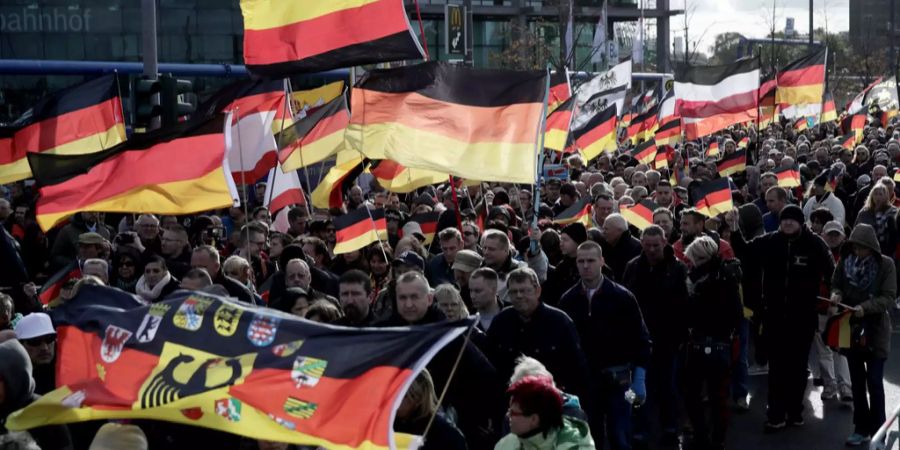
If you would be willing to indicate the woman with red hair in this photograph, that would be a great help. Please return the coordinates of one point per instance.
(536, 419)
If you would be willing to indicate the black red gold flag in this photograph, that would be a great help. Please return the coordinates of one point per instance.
(802, 81)
(358, 228)
(177, 170)
(340, 178)
(847, 141)
(396, 177)
(52, 288)
(640, 214)
(557, 127)
(829, 111)
(560, 89)
(314, 138)
(78, 120)
(284, 37)
(428, 221)
(443, 117)
(598, 135)
(788, 177)
(854, 123)
(580, 211)
(733, 163)
(643, 126)
(712, 150)
(669, 132)
(713, 197)
(837, 334)
(645, 152)
(207, 361)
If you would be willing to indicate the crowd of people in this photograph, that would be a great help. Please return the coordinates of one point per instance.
(590, 333)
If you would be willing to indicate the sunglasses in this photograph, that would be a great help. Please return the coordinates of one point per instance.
(50, 339)
(126, 264)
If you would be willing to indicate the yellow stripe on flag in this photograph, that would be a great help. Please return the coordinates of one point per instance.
(267, 14)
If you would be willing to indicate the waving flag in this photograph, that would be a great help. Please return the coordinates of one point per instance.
(442, 117)
(712, 151)
(179, 170)
(358, 228)
(557, 127)
(396, 177)
(709, 99)
(644, 125)
(255, 107)
(82, 119)
(855, 124)
(713, 197)
(601, 92)
(315, 137)
(428, 222)
(669, 131)
(802, 81)
(598, 135)
(207, 361)
(847, 141)
(560, 89)
(645, 152)
(733, 163)
(768, 109)
(340, 178)
(284, 37)
(788, 177)
(837, 331)
(580, 211)
(829, 113)
(640, 214)
(307, 101)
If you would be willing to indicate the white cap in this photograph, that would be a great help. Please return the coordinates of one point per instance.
(34, 325)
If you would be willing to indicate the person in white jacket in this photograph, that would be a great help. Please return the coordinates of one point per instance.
(821, 198)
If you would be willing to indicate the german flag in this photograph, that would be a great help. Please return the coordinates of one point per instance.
(847, 141)
(768, 109)
(669, 133)
(443, 117)
(397, 178)
(712, 151)
(788, 177)
(802, 81)
(644, 126)
(307, 101)
(315, 137)
(580, 211)
(557, 128)
(428, 222)
(829, 112)
(744, 142)
(645, 152)
(640, 214)
(732, 164)
(598, 135)
(358, 228)
(78, 120)
(259, 109)
(340, 178)
(139, 176)
(854, 123)
(837, 331)
(283, 38)
(662, 159)
(270, 375)
(560, 90)
(801, 124)
(713, 197)
(896, 175)
(53, 286)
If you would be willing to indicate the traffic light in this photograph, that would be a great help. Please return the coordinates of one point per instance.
(175, 102)
(145, 104)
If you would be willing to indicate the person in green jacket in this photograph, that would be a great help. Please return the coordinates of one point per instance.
(866, 281)
(536, 419)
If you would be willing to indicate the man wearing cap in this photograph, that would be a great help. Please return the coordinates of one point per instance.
(36, 333)
(439, 269)
(790, 289)
(565, 274)
(65, 247)
(466, 262)
(821, 198)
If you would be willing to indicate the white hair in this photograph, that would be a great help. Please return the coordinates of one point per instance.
(527, 366)
(616, 220)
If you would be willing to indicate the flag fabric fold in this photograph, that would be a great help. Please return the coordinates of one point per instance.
(560, 89)
(788, 177)
(178, 170)
(645, 152)
(640, 214)
(709, 99)
(802, 81)
(444, 118)
(82, 119)
(396, 177)
(598, 135)
(314, 138)
(733, 163)
(580, 211)
(339, 179)
(207, 361)
(713, 197)
(556, 132)
(359, 228)
(283, 37)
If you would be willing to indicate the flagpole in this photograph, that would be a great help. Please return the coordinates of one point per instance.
(450, 378)
(540, 163)
(243, 178)
(290, 93)
(380, 242)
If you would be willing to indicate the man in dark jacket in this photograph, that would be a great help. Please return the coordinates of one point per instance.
(532, 328)
(565, 274)
(207, 257)
(475, 391)
(658, 282)
(619, 245)
(65, 247)
(439, 269)
(616, 342)
(793, 262)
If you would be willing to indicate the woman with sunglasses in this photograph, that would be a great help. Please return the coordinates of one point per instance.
(126, 269)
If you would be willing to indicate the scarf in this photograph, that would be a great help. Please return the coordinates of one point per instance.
(860, 272)
(881, 226)
(149, 294)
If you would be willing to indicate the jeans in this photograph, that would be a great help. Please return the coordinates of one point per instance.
(710, 370)
(867, 375)
(611, 416)
(740, 373)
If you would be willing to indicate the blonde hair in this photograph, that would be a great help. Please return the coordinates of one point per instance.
(887, 197)
(703, 246)
(447, 290)
(421, 395)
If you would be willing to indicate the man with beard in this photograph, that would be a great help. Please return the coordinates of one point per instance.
(693, 225)
(354, 289)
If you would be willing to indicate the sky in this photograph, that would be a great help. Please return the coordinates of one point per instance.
(752, 18)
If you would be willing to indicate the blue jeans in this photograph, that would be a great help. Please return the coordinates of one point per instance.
(611, 417)
(867, 376)
(740, 373)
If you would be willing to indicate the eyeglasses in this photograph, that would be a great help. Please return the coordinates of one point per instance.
(126, 263)
(512, 413)
(49, 339)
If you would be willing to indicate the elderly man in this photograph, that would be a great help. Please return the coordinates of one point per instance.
(498, 255)
(176, 250)
(297, 274)
(207, 257)
(147, 227)
(619, 246)
(96, 267)
(65, 247)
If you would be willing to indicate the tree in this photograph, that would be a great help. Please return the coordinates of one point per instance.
(725, 47)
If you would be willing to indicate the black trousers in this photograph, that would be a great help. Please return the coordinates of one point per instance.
(788, 348)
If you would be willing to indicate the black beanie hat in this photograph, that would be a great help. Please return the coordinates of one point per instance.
(792, 212)
(576, 231)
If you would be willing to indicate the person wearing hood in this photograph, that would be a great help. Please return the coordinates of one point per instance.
(17, 391)
(713, 315)
(820, 198)
(156, 283)
(474, 391)
(866, 281)
(788, 305)
(657, 280)
(536, 419)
